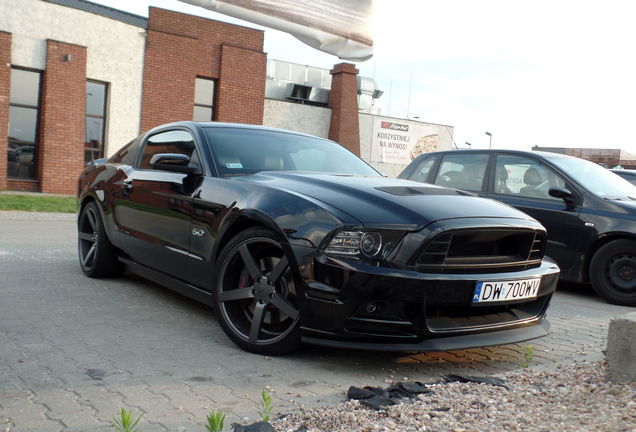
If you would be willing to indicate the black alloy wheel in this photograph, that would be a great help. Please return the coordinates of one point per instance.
(255, 295)
(96, 254)
(613, 272)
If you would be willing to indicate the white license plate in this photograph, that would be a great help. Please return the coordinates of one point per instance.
(501, 291)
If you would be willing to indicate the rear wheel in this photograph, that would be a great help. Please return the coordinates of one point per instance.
(97, 255)
(255, 295)
(613, 272)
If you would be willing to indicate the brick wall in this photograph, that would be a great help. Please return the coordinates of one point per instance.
(241, 95)
(343, 101)
(5, 75)
(61, 145)
(180, 47)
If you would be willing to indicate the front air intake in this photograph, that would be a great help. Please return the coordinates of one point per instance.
(479, 250)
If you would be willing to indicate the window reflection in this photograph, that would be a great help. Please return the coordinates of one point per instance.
(203, 100)
(96, 94)
(25, 87)
(24, 107)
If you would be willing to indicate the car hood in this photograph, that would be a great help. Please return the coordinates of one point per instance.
(382, 202)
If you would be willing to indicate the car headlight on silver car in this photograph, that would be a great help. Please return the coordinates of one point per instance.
(363, 244)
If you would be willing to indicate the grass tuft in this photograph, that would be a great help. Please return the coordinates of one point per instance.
(126, 421)
(37, 203)
(266, 406)
(216, 420)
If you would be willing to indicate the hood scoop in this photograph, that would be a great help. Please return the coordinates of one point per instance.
(420, 190)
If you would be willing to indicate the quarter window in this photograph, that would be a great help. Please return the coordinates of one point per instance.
(524, 177)
(96, 93)
(24, 114)
(176, 141)
(462, 171)
(422, 170)
(203, 100)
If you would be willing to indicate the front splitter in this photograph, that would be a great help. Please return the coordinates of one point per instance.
(476, 340)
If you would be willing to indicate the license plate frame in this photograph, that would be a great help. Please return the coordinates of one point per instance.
(506, 290)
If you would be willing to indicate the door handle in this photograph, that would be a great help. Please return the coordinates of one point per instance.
(127, 186)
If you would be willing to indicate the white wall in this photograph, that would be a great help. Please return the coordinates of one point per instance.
(297, 117)
(115, 54)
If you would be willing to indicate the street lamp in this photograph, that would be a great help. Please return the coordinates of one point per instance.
(490, 142)
(468, 144)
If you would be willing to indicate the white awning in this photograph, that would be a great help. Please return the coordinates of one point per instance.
(338, 27)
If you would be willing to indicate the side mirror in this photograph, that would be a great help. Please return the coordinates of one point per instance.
(174, 162)
(563, 193)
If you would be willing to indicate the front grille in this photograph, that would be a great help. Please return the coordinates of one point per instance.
(482, 251)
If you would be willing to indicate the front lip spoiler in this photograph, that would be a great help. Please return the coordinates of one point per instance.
(477, 340)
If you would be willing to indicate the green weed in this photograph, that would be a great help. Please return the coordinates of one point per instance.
(216, 419)
(266, 406)
(528, 356)
(126, 421)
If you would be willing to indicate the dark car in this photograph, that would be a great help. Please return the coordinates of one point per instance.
(589, 213)
(627, 174)
(293, 238)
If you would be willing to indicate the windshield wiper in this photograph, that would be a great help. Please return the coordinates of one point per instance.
(625, 198)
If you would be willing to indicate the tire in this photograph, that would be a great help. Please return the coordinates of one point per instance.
(97, 255)
(613, 272)
(255, 296)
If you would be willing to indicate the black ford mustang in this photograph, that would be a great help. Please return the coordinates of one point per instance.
(291, 238)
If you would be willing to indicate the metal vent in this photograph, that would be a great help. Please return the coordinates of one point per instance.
(300, 92)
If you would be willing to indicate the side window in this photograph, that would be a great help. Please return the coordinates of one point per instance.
(524, 177)
(462, 171)
(127, 155)
(176, 141)
(420, 174)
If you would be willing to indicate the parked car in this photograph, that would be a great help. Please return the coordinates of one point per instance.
(589, 213)
(293, 238)
(629, 175)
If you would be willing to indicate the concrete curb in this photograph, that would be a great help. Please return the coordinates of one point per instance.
(621, 348)
(35, 216)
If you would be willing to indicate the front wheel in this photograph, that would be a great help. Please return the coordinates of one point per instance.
(97, 255)
(613, 272)
(255, 295)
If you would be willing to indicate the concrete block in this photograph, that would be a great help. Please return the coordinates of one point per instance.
(621, 348)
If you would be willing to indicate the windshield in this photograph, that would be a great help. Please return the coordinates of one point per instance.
(595, 178)
(238, 151)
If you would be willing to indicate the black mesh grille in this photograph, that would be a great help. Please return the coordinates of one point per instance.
(482, 251)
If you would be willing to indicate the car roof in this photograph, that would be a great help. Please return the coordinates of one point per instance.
(213, 124)
(547, 155)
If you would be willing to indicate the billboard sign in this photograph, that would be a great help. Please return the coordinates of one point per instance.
(399, 142)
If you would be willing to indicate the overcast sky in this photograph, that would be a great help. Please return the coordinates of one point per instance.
(549, 73)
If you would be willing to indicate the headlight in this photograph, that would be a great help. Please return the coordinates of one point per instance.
(370, 244)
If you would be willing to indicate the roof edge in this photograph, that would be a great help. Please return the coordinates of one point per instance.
(104, 11)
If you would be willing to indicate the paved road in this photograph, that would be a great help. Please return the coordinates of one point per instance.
(74, 350)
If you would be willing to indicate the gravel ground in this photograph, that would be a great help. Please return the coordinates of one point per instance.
(573, 398)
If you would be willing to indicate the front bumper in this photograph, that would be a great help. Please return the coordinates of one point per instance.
(353, 305)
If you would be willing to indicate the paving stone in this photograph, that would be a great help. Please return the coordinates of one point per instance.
(93, 346)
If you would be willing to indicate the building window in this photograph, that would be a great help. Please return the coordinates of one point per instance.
(96, 93)
(24, 110)
(203, 100)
